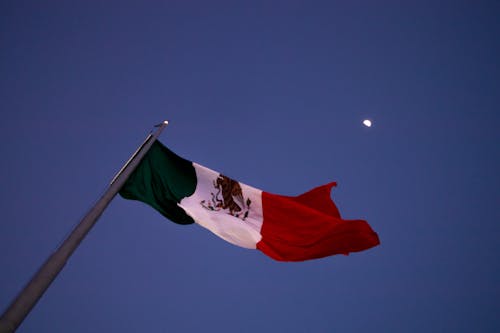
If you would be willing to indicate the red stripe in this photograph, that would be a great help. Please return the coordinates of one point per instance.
(309, 226)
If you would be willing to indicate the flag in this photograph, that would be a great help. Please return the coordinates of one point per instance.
(286, 228)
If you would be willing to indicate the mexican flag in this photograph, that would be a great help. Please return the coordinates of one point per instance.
(286, 228)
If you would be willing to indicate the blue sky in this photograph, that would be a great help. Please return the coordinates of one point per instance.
(271, 93)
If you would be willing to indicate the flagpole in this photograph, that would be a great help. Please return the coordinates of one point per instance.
(34, 290)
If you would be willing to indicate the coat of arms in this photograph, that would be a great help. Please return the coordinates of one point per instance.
(228, 197)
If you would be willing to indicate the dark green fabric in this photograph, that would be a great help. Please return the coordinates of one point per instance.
(161, 180)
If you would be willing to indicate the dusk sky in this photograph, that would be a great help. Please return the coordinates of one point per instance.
(273, 94)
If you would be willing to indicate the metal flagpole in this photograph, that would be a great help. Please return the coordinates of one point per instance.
(33, 291)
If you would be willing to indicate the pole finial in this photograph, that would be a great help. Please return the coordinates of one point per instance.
(162, 124)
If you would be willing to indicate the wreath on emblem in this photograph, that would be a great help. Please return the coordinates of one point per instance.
(229, 198)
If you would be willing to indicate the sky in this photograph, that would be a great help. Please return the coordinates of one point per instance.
(273, 94)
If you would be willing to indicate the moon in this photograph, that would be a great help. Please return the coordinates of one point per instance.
(367, 123)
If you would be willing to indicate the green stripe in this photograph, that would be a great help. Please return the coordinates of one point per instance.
(161, 180)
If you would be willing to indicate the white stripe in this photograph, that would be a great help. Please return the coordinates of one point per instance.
(236, 230)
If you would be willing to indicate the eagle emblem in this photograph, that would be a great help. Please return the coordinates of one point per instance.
(228, 197)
